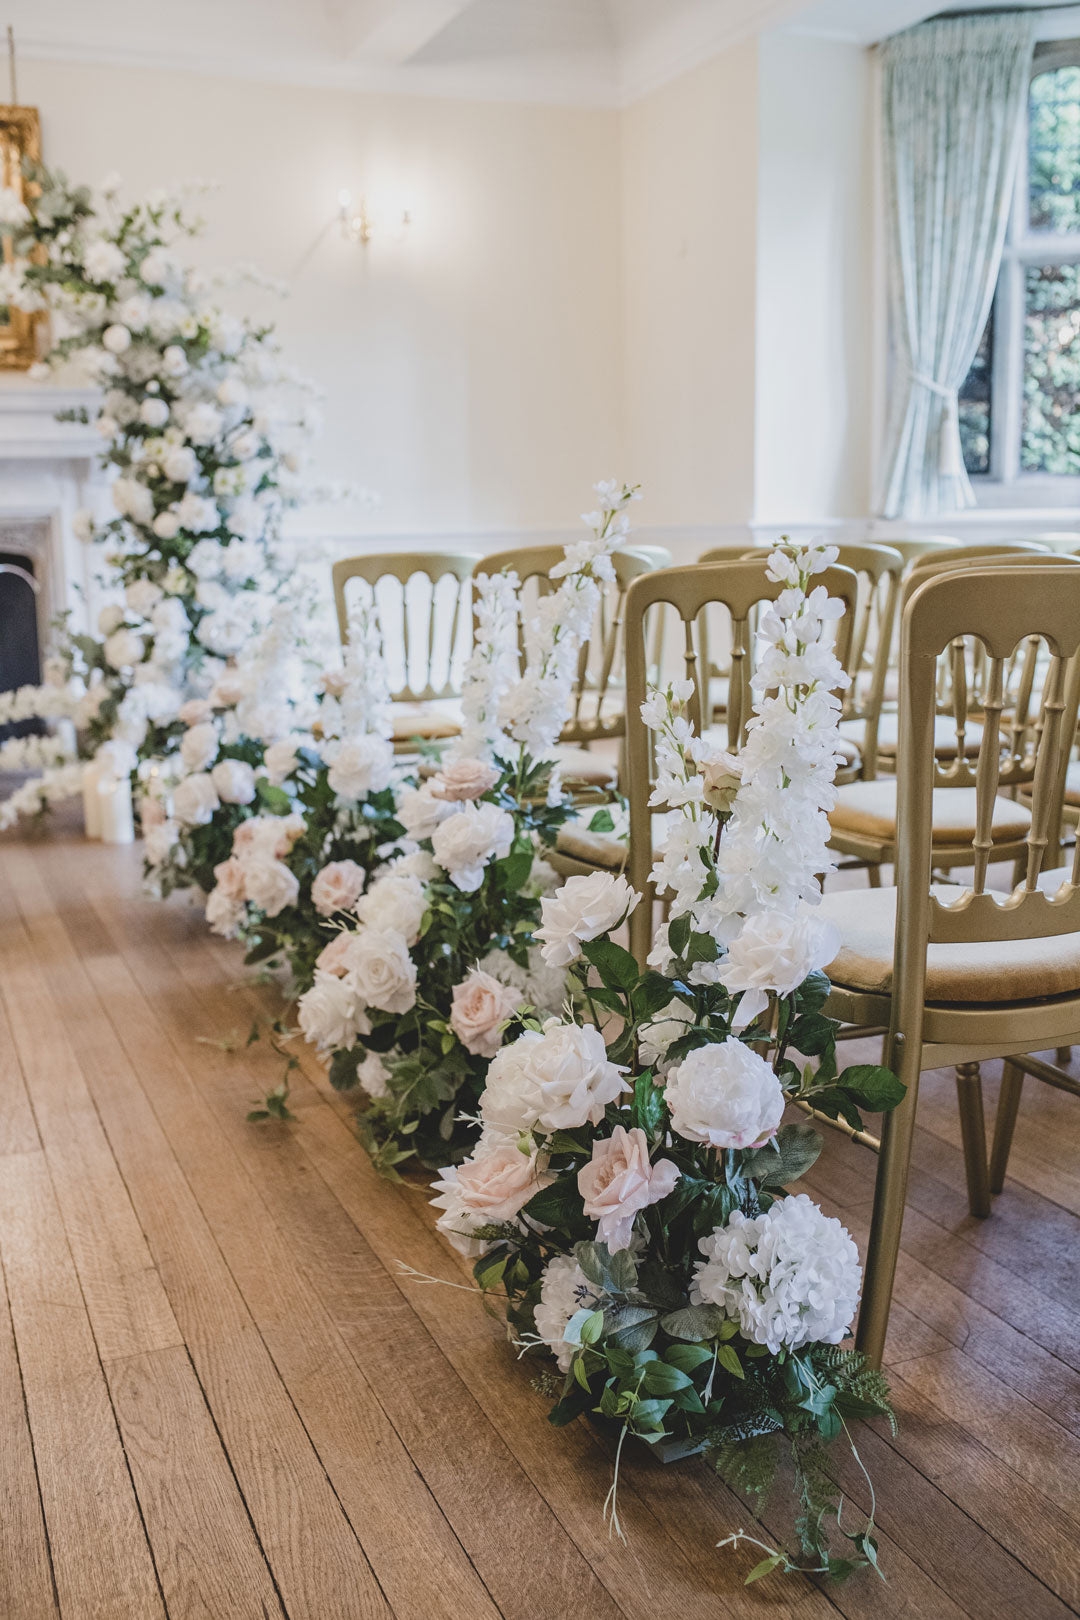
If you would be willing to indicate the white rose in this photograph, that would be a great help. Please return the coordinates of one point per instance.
(359, 767)
(467, 841)
(329, 1015)
(464, 779)
(195, 800)
(167, 524)
(396, 902)
(280, 760)
(159, 840)
(116, 339)
(775, 952)
(141, 596)
(203, 423)
(199, 745)
(123, 648)
(270, 885)
(420, 811)
(381, 971)
(179, 464)
(480, 1008)
(110, 618)
(583, 909)
(725, 1095)
(174, 361)
(154, 413)
(103, 261)
(223, 913)
(234, 781)
(556, 1080)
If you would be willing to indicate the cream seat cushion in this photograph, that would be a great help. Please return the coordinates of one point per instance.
(985, 971)
(583, 766)
(868, 809)
(440, 718)
(944, 735)
(1072, 783)
(592, 849)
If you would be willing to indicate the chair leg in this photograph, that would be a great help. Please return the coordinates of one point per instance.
(873, 876)
(973, 1131)
(1012, 1084)
(1063, 1055)
(890, 1195)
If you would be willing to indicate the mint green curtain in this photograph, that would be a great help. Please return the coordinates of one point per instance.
(953, 97)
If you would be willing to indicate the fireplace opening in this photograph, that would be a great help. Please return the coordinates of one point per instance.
(20, 652)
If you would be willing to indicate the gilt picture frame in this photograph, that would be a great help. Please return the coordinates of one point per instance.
(20, 138)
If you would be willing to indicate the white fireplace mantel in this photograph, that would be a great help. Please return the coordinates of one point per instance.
(29, 429)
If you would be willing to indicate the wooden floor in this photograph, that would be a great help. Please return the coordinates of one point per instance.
(220, 1396)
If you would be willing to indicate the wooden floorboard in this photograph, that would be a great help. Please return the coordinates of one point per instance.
(221, 1394)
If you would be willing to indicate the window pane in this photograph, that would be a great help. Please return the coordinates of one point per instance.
(974, 404)
(1054, 150)
(1051, 434)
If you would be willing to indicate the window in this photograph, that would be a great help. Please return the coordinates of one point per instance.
(1020, 402)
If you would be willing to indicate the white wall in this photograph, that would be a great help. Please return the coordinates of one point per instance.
(814, 412)
(689, 197)
(472, 369)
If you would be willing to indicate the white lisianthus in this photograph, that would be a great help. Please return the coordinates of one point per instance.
(583, 909)
(234, 780)
(725, 1095)
(465, 843)
(329, 1015)
(199, 745)
(195, 800)
(564, 1290)
(420, 810)
(360, 766)
(270, 885)
(775, 952)
(396, 901)
(789, 1277)
(123, 648)
(381, 971)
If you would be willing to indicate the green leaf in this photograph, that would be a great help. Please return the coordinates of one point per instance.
(514, 871)
(694, 1322)
(872, 1086)
(343, 1070)
(559, 1204)
(728, 1359)
(602, 821)
(790, 1155)
(701, 948)
(679, 936)
(813, 993)
(687, 1357)
(275, 799)
(766, 1567)
(812, 1035)
(617, 968)
(663, 1379)
(647, 1108)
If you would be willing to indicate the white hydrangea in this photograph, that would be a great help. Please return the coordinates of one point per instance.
(789, 1277)
(564, 1290)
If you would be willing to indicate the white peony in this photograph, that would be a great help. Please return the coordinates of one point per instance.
(774, 951)
(564, 1290)
(360, 766)
(396, 902)
(123, 648)
(725, 1095)
(789, 1277)
(381, 971)
(329, 1015)
(195, 800)
(557, 1079)
(465, 843)
(234, 780)
(199, 745)
(270, 885)
(583, 909)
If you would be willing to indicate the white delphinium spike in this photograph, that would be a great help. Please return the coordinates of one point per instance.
(491, 669)
(537, 708)
(365, 698)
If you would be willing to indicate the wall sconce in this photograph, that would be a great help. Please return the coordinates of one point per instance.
(357, 224)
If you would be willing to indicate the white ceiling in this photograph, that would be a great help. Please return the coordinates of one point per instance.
(597, 52)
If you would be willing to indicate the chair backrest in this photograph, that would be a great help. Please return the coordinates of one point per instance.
(738, 587)
(1005, 607)
(421, 627)
(912, 547)
(971, 557)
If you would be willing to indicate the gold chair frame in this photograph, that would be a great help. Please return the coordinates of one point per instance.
(1002, 605)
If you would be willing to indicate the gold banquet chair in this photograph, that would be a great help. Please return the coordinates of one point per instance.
(959, 974)
(738, 587)
(425, 703)
(599, 699)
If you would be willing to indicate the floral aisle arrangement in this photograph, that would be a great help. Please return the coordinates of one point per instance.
(414, 1001)
(202, 426)
(629, 1196)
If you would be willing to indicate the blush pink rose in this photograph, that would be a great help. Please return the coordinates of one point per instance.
(230, 878)
(481, 1005)
(464, 779)
(333, 958)
(497, 1184)
(619, 1181)
(337, 887)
